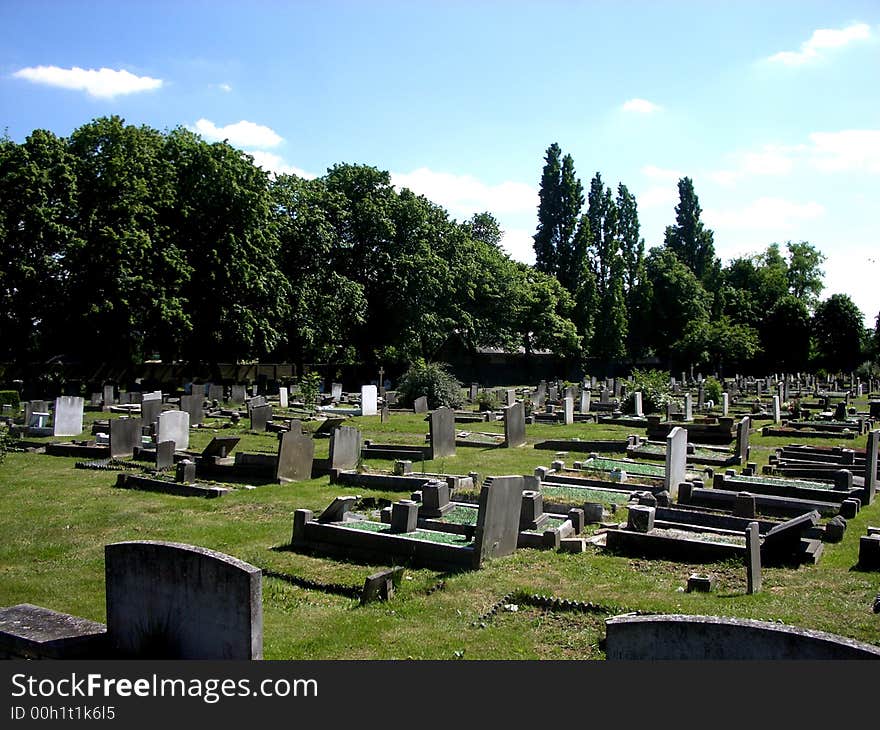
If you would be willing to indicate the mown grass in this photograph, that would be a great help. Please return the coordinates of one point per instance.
(55, 521)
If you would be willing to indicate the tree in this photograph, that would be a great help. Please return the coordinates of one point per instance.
(570, 249)
(484, 227)
(804, 272)
(785, 335)
(549, 212)
(837, 327)
(688, 238)
(718, 343)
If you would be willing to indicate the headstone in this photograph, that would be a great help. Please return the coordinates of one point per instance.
(152, 395)
(369, 400)
(676, 459)
(473, 390)
(637, 404)
(753, 559)
(497, 529)
(296, 452)
(336, 391)
(150, 410)
(777, 412)
(96, 399)
(337, 510)
(441, 425)
(509, 396)
(603, 396)
(237, 394)
(173, 601)
(640, 518)
(725, 404)
(174, 426)
(743, 429)
(688, 407)
(404, 516)
(125, 435)
(260, 416)
(552, 393)
(871, 465)
(164, 455)
(185, 472)
(220, 447)
(744, 506)
(68, 420)
(585, 401)
(568, 410)
(420, 404)
(514, 425)
(435, 499)
(345, 448)
(194, 406)
(215, 393)
(109, 398)
(283, 397)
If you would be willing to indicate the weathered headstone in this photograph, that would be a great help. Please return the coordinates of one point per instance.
(296, 452)
(109, 398)
(194, 406)
(725, 404)
(164, 455)
(215, 393)
(514, 425)
(404, 516)
(568, 410)
(336, 391)
(777, 413)
(68, 420)
(688, 407)
(150, 410)
(585, 401)
(871, 465)
(441, 424)
(753, 559)
(743, 429)
(237, 394)
(174, 426)
(260, 416)
(497, 529)
(173, 601)
(125, 435)
(369, 400)
(676, 459)
(283, 396)
(420, 404)
(637, 404)
(345, 447)
(640, 518)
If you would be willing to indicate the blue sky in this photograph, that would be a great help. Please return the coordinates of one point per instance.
(771, 107)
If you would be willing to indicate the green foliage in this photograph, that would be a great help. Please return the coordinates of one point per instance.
(688, 239)
(10, 398)
(487, 400)
(433, 380)
(838, 326)
(310, 389)
(655, 389)
(5, 440)
(712, 389)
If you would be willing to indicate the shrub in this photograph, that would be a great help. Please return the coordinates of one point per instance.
(10, 398)
(655, 389)
(433, 380)
(712, 390)
(487, 400)
(310, 389)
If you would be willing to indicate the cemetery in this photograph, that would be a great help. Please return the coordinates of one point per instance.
(343, 514)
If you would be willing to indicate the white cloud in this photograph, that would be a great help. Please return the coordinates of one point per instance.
(851, 149)
(641, 106)
(103, 83)
(768, 160)
(275, 165)
(822, 39)
(519, 244)
(464, 195)
(224, 87)
(764, 214)
(240, 134)
(660, 173)
(658, 196)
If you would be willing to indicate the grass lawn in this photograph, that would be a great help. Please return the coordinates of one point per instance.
(55, 521)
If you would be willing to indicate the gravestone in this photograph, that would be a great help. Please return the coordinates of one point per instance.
(109, 398)
(497, 529)
(435, 499)
(725, 404)
(194, 406)
(260, 416)
(753, 559)
(172, 601)
(514, 425)
(345, 448)
(337, 510)
(420, 404)
(404, 516)
(164, 455)
(283, 395)
(676, 459)
(185, 472)
(568, 410)
(640, 518)
(68, 420)
(637, 404)
(871, 465)
(603, 396)
(777, 413)
(215, 393)
(509, 397)
(296, 452)
(336, 391)
(701, 396)
(472, 392)
(220, 447)
(688, 408)
(124, 398)
(125, 435)
(441, 425)
(150, 410)
(237, 394)
(742, 439)
(552, 393)
(369, 400)
(174, 426)
(585, 401)
(152, 395)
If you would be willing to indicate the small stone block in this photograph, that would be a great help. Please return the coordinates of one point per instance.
(700, 583)
(577, 519)
(404, 516)
(402, 467)
(835, 529)
(849, 508)
(641, 518)
(869, 552)
(573, 545)
(186, 472)
(744, 506)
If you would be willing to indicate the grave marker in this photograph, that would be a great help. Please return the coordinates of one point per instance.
(68, 419)
(125, 435)
(514, 425)
(441, 424)
(296, 452)
(174, 426)
(676, 459)
(369, 400)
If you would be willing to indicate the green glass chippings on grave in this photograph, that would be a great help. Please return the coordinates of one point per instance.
(780, 482)
(446, 538)
(583, 494)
